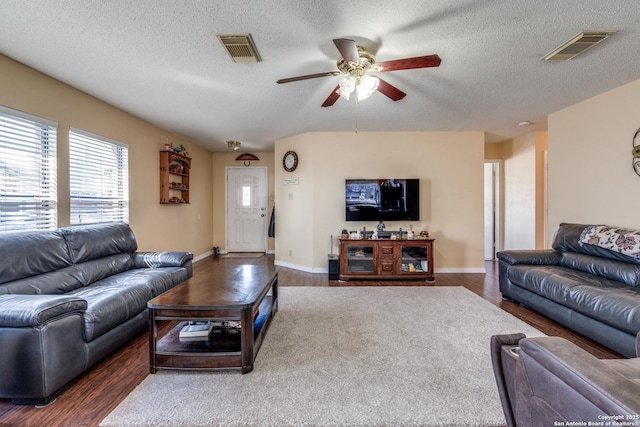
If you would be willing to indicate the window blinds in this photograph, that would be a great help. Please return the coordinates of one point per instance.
(98, 178)
(28, 191)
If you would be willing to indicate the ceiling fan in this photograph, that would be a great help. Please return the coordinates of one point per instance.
(355, 65)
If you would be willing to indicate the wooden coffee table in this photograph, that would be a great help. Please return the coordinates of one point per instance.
(247, 294)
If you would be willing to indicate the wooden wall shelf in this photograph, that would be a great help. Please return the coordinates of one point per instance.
(174, 178)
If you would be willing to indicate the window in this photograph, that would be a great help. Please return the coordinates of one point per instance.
(99, 179)
(28, 191)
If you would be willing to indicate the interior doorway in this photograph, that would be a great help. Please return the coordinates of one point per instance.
(492, 208)
(247, 216)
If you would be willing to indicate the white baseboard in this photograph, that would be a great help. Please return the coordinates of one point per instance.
(317, 270)
(202, 256)
(460, 270)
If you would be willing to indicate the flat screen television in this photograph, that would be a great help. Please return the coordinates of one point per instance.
(382, 199)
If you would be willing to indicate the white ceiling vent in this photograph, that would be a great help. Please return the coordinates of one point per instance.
(576, 45)
(240, 47)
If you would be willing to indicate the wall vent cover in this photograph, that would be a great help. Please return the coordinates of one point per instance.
(240, 47)
(576, 45)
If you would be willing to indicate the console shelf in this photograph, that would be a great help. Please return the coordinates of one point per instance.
(386, 259)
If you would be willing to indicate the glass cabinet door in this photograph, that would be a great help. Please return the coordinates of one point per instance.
(360, 259)
(414, 259)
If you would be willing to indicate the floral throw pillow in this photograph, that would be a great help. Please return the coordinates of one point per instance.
(615, 239)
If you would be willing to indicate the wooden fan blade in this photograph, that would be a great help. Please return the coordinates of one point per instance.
(409, 63)
(309, 76)
(389, 90)
(332, 98)
(348, 49)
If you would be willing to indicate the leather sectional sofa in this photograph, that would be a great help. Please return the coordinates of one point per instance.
(68, 298)
(548, 381)
(589, 282)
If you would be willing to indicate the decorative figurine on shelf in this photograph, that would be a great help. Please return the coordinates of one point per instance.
(345, 234)
(181, 150)
(409, 234)
(380, 226)
(374, 235)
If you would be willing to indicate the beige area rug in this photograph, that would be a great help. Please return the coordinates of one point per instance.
(244, 255)
(352, 356)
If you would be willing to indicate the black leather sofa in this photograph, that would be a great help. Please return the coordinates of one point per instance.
(589, 282)
(68, 298)
(548, 381)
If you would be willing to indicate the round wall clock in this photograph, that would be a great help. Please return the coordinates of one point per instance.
(290, 161)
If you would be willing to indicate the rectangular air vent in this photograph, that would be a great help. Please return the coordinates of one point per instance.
(576, 45)
(240, 47)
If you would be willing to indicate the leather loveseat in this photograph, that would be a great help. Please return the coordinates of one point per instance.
(548, 381)
(68, 298)
(588, 282)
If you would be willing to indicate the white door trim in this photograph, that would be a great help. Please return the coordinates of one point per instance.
(264, 240)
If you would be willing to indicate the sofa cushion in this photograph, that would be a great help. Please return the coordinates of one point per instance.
(55, 282)
(556, 282)
(615, 270)
(549, 281)
(92, 271)
(158, 280)
(118, 298)
(98, 241)
(615, 239)
(616, 306)
(567, 239)
(29, 254)
(110, 302)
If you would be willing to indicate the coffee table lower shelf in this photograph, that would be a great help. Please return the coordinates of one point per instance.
(223, 350)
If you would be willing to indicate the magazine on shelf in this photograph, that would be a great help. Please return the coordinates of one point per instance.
(196, 329)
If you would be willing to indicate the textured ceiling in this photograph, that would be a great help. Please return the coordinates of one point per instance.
(160, 60)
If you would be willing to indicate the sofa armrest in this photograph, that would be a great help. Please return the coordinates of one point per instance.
(531, 256)
(162, 259)
(567, 381)
(33, 310)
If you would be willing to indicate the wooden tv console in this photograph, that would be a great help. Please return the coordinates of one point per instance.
(386, 259)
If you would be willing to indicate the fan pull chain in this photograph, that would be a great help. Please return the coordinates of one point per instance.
(357, 102)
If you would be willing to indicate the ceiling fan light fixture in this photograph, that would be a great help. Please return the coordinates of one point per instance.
(347, 85)
(234, 145)
(367, 86)
(364, 87)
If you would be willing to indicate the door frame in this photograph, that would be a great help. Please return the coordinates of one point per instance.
(265, 241)
(498, 204)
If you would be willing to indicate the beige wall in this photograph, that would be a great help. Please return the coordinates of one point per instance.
(520, 192)
(450, 168)
(590, 173)
(219, 163)
(542, 146)
(523, 184)
(493, 151)
(157, 227)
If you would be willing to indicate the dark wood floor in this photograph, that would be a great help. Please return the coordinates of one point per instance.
(96, 393)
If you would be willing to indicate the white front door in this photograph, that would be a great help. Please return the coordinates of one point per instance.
(247, 209)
